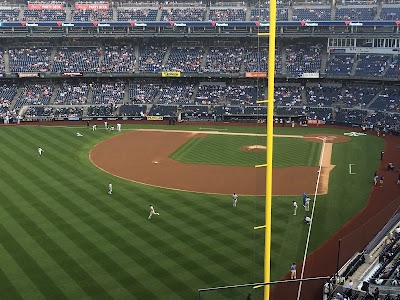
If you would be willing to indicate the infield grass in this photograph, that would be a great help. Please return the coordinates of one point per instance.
(63, 237)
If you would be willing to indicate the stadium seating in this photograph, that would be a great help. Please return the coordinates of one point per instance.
(101, 111)
(30, 59)
(176, 94)
(163, 110)
(92, 15)
(339, 65)
(150, 58)
(72, 94)
(390, 13)
(387, 100)
(9, 15)
(371, 65)
(7, 94)
(210, 94)
(394, 69)
(288, 96)
(355, 13)
(109, 92)
(183, 14)
(358, 96)
(227, 14)
(262, 14)
(311, 14)
(224, 60)
(190, 111)
(68, 112)
(128, 110)
(34, 94)
(119, 59)
(256, 60)
(44, 15)
(77, 59)
(39, 111)
(244, 94)
(350, 116)
(185, 59)
(137, 14)
(320, 113)
(2, 63)
(322, 95)
(141, 93)
(303, 59)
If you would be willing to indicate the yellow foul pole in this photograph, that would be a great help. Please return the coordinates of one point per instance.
(270, 135)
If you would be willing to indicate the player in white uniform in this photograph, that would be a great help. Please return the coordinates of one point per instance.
(152, 212)
(234, 199)
(110, 188)
(295, 207)
(118, 126)
(94, 127)
(307, 204)
(40, 151)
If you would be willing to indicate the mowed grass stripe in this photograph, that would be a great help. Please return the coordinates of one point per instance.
(187, 215)
(28, 263)
(228, 150)
(118, 218)
(65, 263)
(58, 246)
(65, 180)
(106, 263)
(15, 282)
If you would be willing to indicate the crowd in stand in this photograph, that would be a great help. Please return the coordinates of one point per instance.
(119, 59)
(92, 15)
(72, 94)
(317, 11)
(300, 59)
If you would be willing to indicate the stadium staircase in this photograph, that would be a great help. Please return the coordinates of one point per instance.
(354, 68)
(283, 56)
(248, 12)
(389, 61)
(324, 59)
(195, 90)
(137, 59)
(101, 58)
(204, 58)
(378, 11)
(290, 13)
(207, 14)
(90, 95)
(53, 96)
(68, 14)
(333, 13)
(374, 98)
(167, 53)
(19, 92)
(159, 12)
(115, 13)
(21, 13)
(53, 53)
(6, 60)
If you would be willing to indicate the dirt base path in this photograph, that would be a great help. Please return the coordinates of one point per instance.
(143, 156)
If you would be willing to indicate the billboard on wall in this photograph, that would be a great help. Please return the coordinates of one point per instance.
(49, 6)
(171, 74)
(256, 75)
(92, 6)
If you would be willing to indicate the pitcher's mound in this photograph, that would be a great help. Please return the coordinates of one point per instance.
(254, 148)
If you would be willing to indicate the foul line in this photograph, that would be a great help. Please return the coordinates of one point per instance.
(312, 218)
(351, 173)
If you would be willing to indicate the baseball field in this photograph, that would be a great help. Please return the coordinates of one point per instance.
(64, 237)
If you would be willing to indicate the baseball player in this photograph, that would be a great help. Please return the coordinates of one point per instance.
(307, 205)
(118, 126)
(294, 207)
(94, 127)
(152, 212)
(234, 199)
(40, 151)
(110, 188)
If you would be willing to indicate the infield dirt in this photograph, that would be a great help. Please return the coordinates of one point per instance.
(143, 157)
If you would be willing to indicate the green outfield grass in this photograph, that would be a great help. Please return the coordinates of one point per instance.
(62, 236)
(227, 150)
